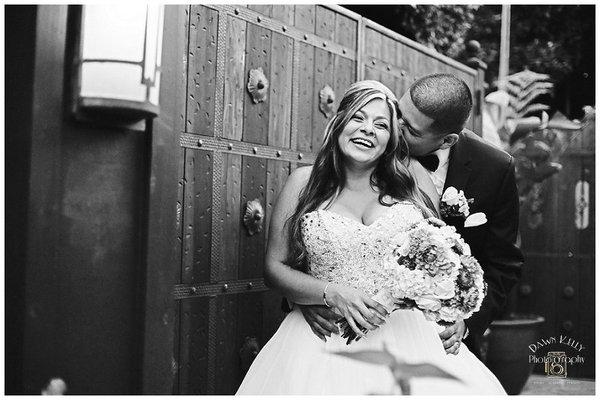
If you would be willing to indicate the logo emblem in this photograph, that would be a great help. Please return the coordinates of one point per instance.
(556, 364)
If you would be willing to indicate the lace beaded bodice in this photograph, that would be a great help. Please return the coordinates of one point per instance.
(345, 251)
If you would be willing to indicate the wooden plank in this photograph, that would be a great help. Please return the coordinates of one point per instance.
(323, 72)
(325, 23)
(226, 348)
(563, 199)
(232, 216)
(344, 69)
(372, 45)
(282, 50)
(344, 74)
(198, 222)
(202, 55)
(277, 173)
(187, 218)
(346, 30)
(402, 83)
(424, 66)
(280, 89)
(235, 80)
(413, 65)
(252, 247)
(388, 54)
(250, 314)
(258, 47)
(265, 9)
(304, 18)
(235, 93)
(283, 13)
(193, 357)
(306, 102)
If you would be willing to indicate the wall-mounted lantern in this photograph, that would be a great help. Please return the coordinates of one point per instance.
(117, 57)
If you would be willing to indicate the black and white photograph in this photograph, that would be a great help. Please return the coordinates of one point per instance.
(299, 199)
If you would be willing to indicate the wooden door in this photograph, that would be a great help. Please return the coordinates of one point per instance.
(235, 150)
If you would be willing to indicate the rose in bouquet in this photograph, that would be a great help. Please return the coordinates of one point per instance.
(429, 268)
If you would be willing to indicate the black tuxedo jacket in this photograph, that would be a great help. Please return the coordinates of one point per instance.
(487, 175)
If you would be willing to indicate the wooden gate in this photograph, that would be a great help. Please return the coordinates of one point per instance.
(558, 280)
(235, 150)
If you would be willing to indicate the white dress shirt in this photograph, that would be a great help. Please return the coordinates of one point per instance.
(439, 179)
(439, 175)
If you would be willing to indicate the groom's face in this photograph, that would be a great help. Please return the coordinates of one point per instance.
(417, 129)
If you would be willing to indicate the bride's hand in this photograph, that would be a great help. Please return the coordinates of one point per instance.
(356, 307)
(436, 222)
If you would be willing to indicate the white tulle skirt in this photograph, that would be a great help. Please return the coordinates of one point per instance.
(296, 361)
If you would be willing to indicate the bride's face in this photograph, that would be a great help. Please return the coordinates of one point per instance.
(365, 137)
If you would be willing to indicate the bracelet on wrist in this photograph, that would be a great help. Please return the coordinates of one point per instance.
(325, 295)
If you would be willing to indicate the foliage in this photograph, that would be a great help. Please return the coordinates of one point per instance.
(441, 27)
(550, 39)
(558, 40)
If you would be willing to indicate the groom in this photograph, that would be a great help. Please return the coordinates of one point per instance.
(433, 115)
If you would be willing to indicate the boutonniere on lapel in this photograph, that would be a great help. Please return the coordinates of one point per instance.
(455, 204)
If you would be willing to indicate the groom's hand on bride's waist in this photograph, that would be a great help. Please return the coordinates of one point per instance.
(321, 320)
(452, 336)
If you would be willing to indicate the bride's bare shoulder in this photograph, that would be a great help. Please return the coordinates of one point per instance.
(294, 184)
(299, 177)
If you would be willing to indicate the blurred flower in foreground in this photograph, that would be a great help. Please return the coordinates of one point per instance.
(403, 372)
(55, 387)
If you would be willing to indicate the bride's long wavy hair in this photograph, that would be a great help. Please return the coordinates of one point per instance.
(328, 176)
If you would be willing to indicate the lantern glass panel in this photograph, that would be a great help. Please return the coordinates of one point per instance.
(112, 80)
(121, 39)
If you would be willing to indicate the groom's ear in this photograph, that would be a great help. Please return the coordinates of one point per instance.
(449, 141)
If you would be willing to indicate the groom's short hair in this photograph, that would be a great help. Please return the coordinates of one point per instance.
(444, 98)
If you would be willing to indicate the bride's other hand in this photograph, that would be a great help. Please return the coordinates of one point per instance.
(436, 222)
(321, 320)
(356, 307)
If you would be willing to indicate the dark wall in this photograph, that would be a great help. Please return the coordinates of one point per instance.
(76, 206)
(19, 23)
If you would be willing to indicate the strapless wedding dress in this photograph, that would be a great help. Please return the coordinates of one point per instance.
(296, 361)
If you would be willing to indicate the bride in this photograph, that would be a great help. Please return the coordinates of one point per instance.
(329, 229)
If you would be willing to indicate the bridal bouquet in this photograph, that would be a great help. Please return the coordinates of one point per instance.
(431, 269)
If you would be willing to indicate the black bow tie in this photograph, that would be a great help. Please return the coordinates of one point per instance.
(429, 161)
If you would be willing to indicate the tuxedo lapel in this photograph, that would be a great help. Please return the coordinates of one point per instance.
(459, 165)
